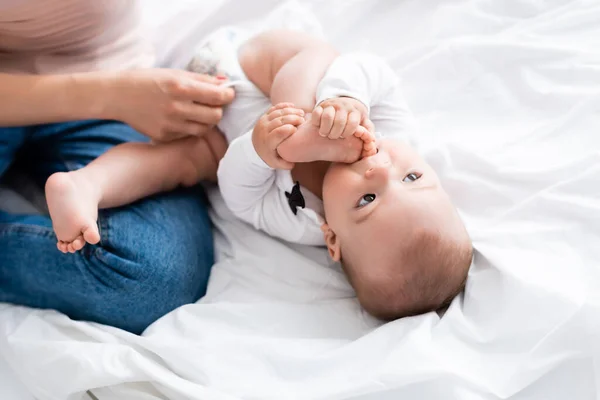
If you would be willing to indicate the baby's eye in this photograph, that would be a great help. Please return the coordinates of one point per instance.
(366, 199)
(411, 177)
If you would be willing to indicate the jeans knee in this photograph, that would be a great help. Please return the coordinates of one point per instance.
(181, 274)
(142, 293)
(155, 256)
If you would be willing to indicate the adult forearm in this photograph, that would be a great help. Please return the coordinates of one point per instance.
(35, 99)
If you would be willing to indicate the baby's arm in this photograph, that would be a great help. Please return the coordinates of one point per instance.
(356, 78)
(287, 66)
(369, 79)
(356, 85)
(247, 178)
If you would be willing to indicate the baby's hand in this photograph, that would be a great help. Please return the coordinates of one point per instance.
(340, 117)
(278, 124)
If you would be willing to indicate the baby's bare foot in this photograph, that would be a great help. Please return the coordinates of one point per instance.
(306, 145)
(73, 205)
(204, 154)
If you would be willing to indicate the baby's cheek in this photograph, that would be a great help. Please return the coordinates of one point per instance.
(338, 183)
(330, 187)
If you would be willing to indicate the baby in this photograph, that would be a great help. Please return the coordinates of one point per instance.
(309, 170)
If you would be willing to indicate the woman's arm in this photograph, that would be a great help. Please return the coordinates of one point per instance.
(163, 104)
(35, 99)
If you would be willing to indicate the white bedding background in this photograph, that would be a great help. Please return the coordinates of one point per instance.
(507, 94)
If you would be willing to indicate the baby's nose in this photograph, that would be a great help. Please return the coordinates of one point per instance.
(381, 172)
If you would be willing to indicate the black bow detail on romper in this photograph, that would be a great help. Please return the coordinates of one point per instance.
(295, 199)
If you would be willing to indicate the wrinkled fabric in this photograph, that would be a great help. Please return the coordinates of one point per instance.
(153, 256)
(507, 97)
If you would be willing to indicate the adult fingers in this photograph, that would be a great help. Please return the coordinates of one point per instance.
(207, 93)
(181, 129)
(199, 113)
(204, 77)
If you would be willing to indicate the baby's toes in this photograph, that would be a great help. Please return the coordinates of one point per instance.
(363, 134)
(366, 154)
(369, 149)
(61, 246)
(78, 243)
(70, 248)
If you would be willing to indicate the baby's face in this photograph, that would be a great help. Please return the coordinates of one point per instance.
(376, 202)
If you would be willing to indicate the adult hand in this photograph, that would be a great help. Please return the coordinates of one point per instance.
(167, 104)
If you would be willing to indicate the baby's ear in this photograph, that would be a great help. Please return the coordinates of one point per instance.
(332, 242)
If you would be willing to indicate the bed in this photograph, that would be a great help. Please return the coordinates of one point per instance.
(507, 96)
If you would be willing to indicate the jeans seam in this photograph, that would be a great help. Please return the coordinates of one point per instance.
(103, 228)
(34, 229)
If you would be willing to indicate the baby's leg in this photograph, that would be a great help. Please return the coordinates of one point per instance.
(287, 66)
(122, 175)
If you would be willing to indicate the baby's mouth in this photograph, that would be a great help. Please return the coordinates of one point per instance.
(367, 163)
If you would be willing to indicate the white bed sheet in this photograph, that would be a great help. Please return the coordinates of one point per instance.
(507, 94)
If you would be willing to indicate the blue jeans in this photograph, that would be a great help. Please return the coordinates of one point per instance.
(154, 255)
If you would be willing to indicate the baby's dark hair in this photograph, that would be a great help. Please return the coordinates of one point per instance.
(428, 272)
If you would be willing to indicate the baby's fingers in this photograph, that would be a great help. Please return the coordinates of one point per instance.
(289, 119)
(327, 119)
(339, 124)
(276, 137)
(283, 164)
(316, 115)
(281, 112)
(280, 106)
(351, 124)
(368, 125)
(280, 134)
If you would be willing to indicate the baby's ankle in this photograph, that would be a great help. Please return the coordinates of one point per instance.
(201, 158)
(195, 152)
(217, 144)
